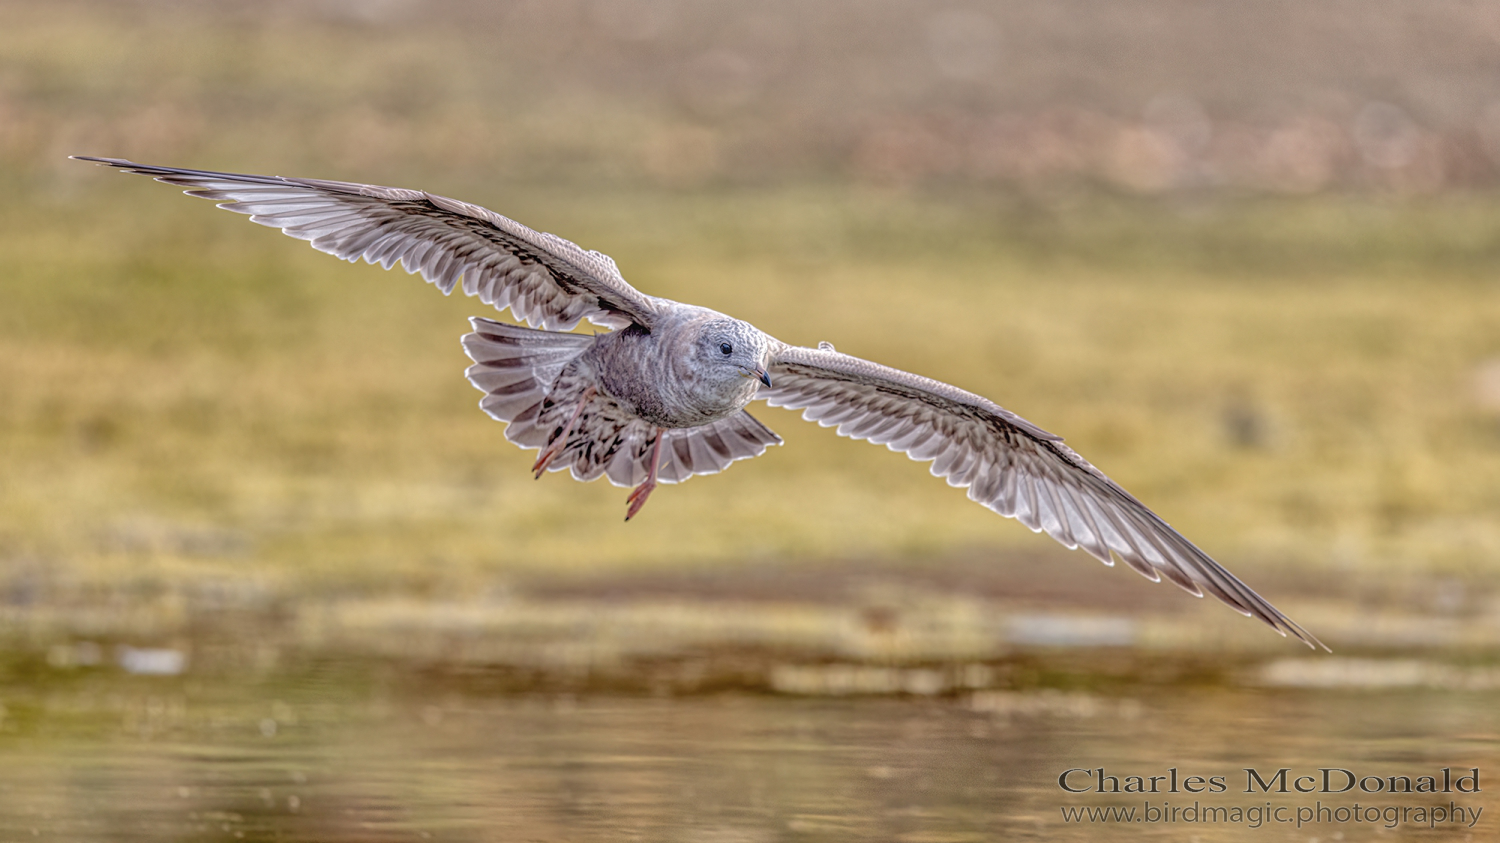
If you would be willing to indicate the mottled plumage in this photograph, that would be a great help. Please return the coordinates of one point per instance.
(662, 396)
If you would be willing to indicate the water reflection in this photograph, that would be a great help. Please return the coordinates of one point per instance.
(329, 751)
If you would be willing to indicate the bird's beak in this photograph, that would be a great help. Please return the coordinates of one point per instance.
(764, 376)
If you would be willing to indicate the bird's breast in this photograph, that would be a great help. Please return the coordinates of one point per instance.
(654, 379)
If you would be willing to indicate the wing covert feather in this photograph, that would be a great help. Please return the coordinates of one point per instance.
(1007, 464)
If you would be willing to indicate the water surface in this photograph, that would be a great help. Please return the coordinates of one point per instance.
(329, 750)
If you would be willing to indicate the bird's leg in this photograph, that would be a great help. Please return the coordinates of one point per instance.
(560, 441)
(638, 497)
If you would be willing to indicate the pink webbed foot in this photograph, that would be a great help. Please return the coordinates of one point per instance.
(638, 497)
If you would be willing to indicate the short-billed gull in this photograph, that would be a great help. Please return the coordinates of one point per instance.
(662, 396)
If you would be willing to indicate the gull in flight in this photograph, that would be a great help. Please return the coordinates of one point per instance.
(662, 395)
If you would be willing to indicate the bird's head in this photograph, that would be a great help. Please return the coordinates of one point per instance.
(734, 348)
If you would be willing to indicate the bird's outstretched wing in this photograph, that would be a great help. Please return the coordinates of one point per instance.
(545, 280)
(1007, 463)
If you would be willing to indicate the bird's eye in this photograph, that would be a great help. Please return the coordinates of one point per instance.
(726, 348)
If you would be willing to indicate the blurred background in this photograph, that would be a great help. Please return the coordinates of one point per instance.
(267, 572)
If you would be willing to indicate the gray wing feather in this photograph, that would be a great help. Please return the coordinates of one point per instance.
(710, 448)
(545, 280)
(517, 367)
(1007, 464)
(707, 449)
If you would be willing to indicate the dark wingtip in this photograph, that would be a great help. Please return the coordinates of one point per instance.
(1312, 641)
